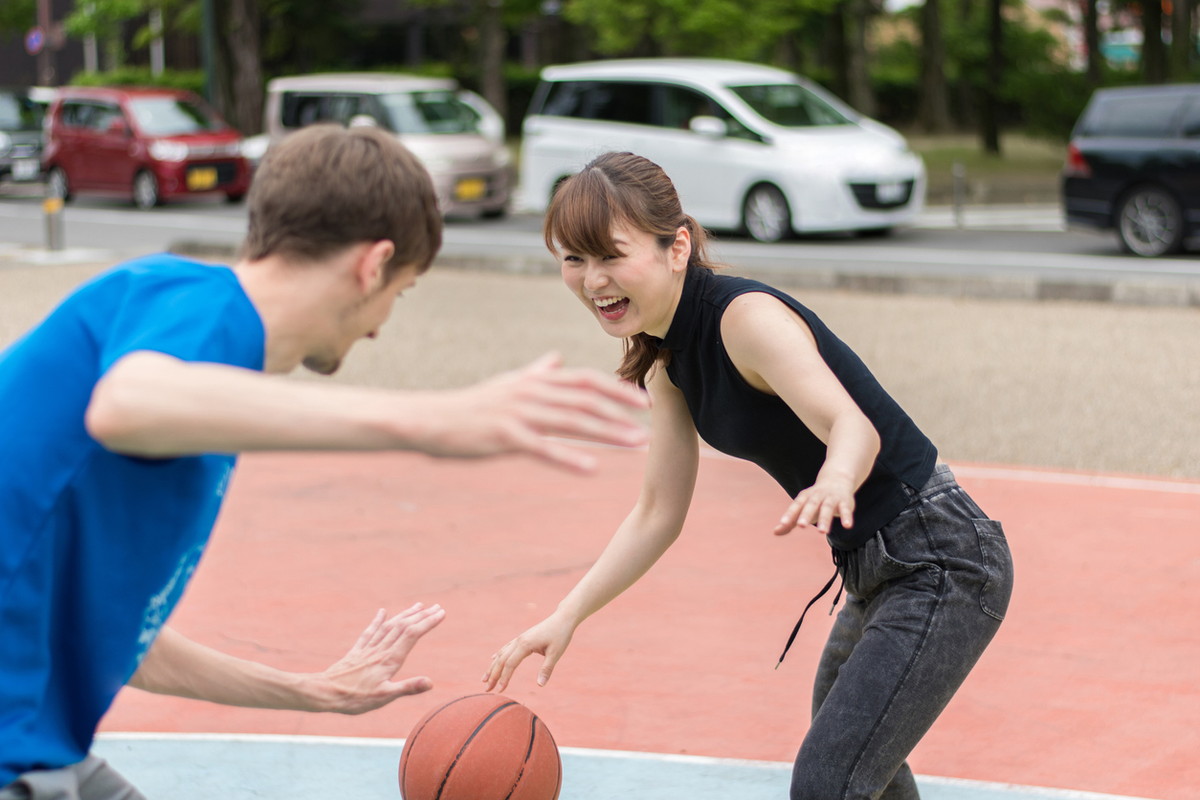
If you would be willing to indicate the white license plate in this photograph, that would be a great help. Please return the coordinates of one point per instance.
(889, 192)
(26, 169)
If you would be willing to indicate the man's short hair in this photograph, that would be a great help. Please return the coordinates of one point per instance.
(325, 188)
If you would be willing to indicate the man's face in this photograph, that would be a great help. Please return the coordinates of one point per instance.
(361, 321)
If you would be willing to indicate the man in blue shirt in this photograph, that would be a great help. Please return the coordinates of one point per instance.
(120, 415)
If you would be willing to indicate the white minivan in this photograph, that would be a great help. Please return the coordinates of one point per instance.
(455, 133)
(750, 148)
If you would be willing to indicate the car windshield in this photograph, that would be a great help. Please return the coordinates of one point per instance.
(790, 105)
(171, 116)
(19, 113)
(429, 112)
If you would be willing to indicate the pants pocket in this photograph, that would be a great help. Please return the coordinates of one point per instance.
(997, 564)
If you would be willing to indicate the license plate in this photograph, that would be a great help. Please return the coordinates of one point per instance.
(468, 189)
(201, 178)
(889, 192)
(26, 169)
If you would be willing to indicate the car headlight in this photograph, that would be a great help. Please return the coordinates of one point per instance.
(502, 158)
(5, 143)
(438, 166)
(165, 150)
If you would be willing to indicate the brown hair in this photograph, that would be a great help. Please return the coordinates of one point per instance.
(325, 188)
(614, 189)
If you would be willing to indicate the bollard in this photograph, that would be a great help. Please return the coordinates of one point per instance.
(958, 173)
(52, 209)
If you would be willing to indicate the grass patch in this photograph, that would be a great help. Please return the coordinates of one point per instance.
(1026, 171)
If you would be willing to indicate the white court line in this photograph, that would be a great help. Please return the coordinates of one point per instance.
(985, 472)
(1028, 792)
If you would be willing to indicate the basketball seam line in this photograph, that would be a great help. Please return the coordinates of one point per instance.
(412, 737)
(465, 744)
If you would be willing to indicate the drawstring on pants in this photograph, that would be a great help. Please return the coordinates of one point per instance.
(837, 564)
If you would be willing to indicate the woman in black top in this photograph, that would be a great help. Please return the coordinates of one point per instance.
(756, 374)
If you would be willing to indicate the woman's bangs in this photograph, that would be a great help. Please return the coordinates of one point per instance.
(580, 220)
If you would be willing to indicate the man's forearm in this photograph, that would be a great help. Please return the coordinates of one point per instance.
(153, 405)
(176, 665)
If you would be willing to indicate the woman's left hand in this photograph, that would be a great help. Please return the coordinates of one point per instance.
(816, 506)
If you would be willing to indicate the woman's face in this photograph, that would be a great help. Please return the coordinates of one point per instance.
(634, 290)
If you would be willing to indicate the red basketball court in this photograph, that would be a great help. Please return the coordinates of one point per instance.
(1091, 685)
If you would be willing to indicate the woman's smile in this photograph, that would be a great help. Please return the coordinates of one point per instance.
(611, 308)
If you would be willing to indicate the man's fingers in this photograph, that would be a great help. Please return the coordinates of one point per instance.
(411, 686)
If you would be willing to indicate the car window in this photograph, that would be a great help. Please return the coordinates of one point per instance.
(1190, 122)
(679, 104)
(612, 101)
(429, 112)
(1140, 116)
(171, 116)
(790, 105)
(19, 113)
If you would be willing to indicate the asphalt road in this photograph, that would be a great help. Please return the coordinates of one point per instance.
(1013, 251)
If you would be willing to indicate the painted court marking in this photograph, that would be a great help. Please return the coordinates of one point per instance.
(154, 761)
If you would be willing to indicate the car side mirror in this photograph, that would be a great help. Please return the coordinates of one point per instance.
(709, 127)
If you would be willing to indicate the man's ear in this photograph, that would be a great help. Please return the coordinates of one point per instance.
(372, 265)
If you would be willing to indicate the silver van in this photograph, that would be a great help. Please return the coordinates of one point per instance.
(456, 134)
(749, 147)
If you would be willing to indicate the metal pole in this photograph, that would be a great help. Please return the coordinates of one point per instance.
(958, 173)
(52, 210)
(45, 66)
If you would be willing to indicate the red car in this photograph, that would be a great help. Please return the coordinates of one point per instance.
(148, 144)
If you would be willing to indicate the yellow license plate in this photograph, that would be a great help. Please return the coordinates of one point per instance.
(469, 189)
(201, 178)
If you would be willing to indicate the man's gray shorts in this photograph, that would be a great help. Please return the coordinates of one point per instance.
(90, 779)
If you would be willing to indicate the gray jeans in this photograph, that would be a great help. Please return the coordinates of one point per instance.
(924, 598)
(90, 779)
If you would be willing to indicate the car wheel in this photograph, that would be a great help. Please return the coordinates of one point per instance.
(765, 214)
(57, 184)
(1150, 222)
(145, 190)
(235, 197)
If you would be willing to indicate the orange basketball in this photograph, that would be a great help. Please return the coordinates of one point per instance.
(480, 747)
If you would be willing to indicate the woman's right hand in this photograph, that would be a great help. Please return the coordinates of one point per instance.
(549, 637)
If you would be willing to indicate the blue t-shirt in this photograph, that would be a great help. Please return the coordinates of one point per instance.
(96, 547)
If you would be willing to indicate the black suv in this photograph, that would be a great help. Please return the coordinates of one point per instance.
(1133, 165)
(20, 136)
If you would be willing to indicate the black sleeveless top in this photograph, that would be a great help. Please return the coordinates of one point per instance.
(737, 419)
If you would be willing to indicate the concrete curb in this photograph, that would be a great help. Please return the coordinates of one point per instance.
(1161, 292)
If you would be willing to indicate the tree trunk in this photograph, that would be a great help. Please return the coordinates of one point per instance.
(492, 83)
(967, 101)
(1091, 38)
(1154, 67)
(1183, 43)
(834, 48)
(989, 116)
(242, 30)
(858, 77)
(933, 113)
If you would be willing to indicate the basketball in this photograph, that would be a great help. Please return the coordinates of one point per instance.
(480, 747)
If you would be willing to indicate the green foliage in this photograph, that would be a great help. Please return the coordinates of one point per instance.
(101, 18)
(1039, 90)
(191, 80)
(745, 29)
(308, 36)
(17, 16)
